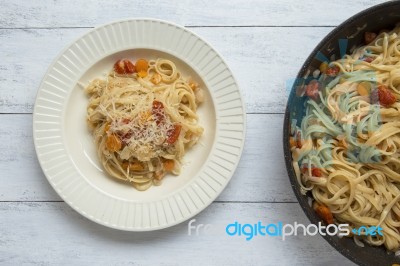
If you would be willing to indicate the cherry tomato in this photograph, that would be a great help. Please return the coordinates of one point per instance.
(368, 59)
(332, 71)
(113, 143)
(386, 97)
(312, 90)
(124, 66)
(142, 65)
(298, 140)
(316, 172)
(173, 133)
(324, 213)
(169, 165)
(158, 111)
(156, 79)
(369, 37)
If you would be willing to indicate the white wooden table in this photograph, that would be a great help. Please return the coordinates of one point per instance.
(264, 42)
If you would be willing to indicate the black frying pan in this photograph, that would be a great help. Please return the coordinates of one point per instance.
(376, 18)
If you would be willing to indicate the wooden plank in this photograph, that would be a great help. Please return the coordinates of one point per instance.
(19, 167)
(262, 59)
(200, 13)
(59, 235)
(266, 180)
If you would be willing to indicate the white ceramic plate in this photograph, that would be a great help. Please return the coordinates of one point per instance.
(66, 150)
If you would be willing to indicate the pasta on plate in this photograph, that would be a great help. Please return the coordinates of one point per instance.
(346, 150)
(143, 119)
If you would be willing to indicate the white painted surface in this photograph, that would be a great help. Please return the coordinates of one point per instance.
(268, 48)
(75, 13)
(262, 58)
(53, 234)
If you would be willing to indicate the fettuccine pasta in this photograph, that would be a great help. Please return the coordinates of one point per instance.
(346, 151)
(143, 119)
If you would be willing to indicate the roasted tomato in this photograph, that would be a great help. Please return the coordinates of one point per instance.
(156, 78)
(314, 171)
(324, 213)
(142, 65)
(386, 97)
(113, 143)
(368, 59)
(369, 37)
(173, 133)
(332, 71)
(169, 165)
(312, 90)
(158, 111)
(124, 66)
(298, 140)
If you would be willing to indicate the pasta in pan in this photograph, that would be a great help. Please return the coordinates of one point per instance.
(346, 151)
(143, 119)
